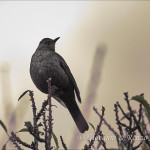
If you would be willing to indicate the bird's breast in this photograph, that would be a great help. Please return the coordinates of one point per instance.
(44, 67)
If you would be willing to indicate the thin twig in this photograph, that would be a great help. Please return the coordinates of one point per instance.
(45, 129)
(135, 120)
(124, 114)
(16, 140)
(31, 130)
(102, 139)
(105, 122)
(136, 147)
(45, 103)
(63, 144)
(34, 119)
(93, 147)
(98, 127)
(117, 120)
(50, 115)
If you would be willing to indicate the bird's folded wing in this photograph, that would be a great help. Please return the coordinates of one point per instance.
(68, 72)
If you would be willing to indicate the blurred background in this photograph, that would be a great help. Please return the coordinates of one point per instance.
(105, 43)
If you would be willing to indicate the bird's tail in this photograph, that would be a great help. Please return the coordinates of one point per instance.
(77, 116)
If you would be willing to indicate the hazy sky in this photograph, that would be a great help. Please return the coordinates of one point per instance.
(25, 23)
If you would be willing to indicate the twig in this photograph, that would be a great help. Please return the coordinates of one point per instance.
(136, 147)
(135, 120)
(93, 147)
(45, 129)
(45, 103)
(117, 120)
(63, 144)
(125, 115)
(103, 142)
(98, 127)
(106, 123)
(34, 119)
(50, 115)
(31, 130)
(16, 140)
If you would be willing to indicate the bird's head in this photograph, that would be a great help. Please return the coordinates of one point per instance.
(48, 43)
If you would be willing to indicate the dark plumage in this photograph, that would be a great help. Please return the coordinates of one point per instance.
(45, 64)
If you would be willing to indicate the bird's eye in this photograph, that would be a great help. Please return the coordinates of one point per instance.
(46, 42)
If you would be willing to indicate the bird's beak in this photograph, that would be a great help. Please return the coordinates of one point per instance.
(56, 39)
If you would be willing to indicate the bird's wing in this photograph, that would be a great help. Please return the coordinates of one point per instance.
(68, 72)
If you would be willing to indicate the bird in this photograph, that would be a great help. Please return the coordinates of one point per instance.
(47, 63)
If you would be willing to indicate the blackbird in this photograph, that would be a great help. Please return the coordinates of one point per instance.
(45, 64)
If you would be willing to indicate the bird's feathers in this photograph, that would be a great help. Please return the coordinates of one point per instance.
(46, 63)
(75, 111)
(70, 76)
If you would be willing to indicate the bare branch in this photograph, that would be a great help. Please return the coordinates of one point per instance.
(98, 127)
(16, 140)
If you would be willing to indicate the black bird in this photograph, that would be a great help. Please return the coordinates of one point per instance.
(45, 64)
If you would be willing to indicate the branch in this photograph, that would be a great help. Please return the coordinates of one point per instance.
(45, 129)
(117, 120)
(135, 120)
(103, 142)
(16, 140)
(34, 119)
(105, 122)
(125, 115)
(45, 103)
(98, 127)
(31, 130)
(50, 115)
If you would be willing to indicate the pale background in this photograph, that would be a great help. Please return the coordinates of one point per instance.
(121, 27)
